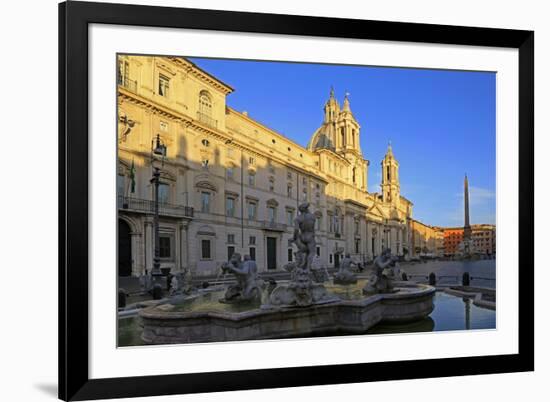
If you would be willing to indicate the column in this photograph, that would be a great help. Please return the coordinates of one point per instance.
(184, 246)
(134, 244)
(148, 245)
(393, 240)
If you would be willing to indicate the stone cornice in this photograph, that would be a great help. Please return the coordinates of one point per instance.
(197, 126)
(192, 68)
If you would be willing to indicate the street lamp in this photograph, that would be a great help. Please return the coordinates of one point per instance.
(158, 153)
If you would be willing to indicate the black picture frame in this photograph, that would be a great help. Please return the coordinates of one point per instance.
(74, 18)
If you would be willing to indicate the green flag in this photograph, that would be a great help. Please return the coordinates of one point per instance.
(132, 178)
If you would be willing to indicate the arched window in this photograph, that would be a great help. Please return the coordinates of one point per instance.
(205, 103)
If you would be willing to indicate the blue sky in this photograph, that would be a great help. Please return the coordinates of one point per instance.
(441, 124)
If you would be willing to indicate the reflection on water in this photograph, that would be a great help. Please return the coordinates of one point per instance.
(450, 313)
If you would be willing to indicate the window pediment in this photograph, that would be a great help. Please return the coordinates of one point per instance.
(206, 185)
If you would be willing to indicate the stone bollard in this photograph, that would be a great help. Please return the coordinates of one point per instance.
(121, 298)
(157, 291)
(466, 279)
(432, 279)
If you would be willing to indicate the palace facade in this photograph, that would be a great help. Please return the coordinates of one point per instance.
(426, 239)
(231, 184)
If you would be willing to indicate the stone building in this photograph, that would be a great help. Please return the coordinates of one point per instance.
(452, 239)
(426, 239)
(483, 238)
(230, 184)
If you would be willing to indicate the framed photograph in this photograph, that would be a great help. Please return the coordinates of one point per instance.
(259, 200)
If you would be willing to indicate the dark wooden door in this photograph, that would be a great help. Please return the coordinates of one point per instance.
(124, 249)
(271, 253)
(336, 260)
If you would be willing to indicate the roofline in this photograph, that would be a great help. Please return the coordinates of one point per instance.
(284, 137)
(196, 67)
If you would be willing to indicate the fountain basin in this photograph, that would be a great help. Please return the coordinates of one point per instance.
(410, 303)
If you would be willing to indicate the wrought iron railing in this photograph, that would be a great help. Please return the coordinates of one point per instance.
(206, 119)
(148, 207)
(130, 85)
(276, 226)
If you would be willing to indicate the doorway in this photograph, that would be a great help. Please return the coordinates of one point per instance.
(124, 249)
(271, 253)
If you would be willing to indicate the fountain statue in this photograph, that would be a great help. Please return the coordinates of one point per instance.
(383, 275)
(319, 270)
(247, 288)
(345, 275)
(304, 288)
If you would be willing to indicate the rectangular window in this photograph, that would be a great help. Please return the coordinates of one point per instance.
(121, 185)
(230, 172)
(318, 251)
(271, 214)
(318, 223)
(163, 126)
(252, 210)
(230, 252)
(251, 179)
(163, 85)
(205, 202)
(290, 254)
(252, 254)
(357, 246)
(206, 250)
(290, 217)
(231, 238)
(252, 240)
(165, 246)
(289, 191)
(251, 160)
(123, 73)
(164, 193)
(230, 206)
(356, 227)
(330, 258)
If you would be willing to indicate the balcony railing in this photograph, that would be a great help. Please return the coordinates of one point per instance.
(130, 85)
(274, 226)
(148, 207)
(206, 119)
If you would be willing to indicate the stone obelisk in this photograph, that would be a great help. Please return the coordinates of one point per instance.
(467, 228)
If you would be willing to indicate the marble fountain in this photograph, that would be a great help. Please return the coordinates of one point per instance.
(309, 304)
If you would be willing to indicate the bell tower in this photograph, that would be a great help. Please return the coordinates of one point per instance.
(347, 130)
(390, 177)
(332, 108)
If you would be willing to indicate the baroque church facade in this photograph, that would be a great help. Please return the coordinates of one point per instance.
(231, 184)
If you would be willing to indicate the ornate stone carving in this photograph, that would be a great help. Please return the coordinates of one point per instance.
(247, 288)
(384, 273)
(303, 289)
(345, 275)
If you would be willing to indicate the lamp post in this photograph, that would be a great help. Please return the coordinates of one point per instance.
(157, 152)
